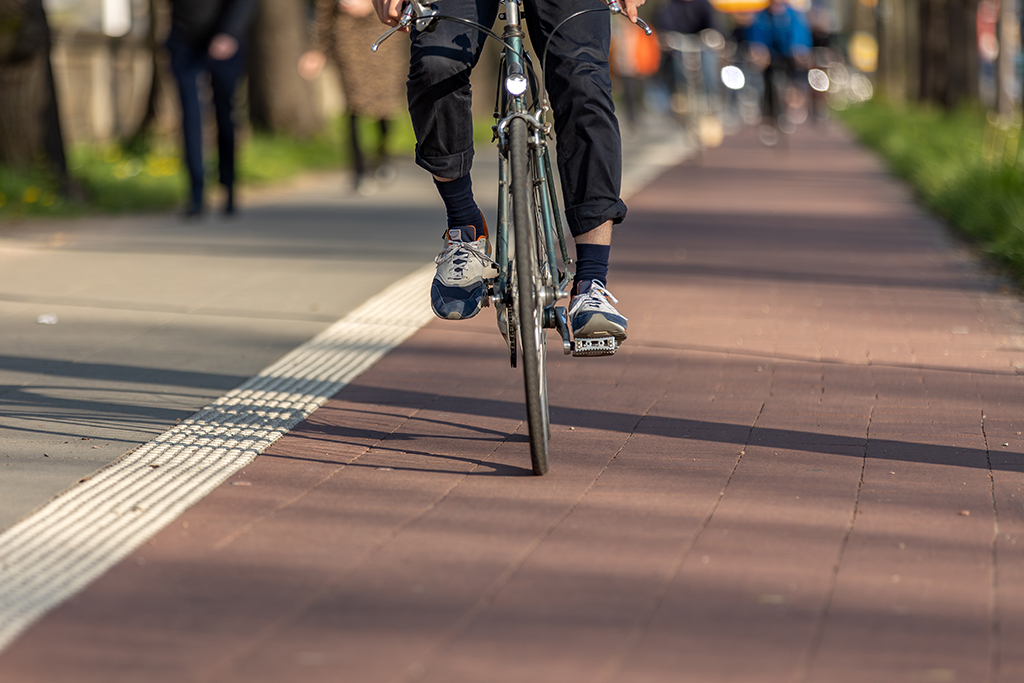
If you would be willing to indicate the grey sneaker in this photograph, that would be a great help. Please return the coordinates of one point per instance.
(459, 287)
(592, 315)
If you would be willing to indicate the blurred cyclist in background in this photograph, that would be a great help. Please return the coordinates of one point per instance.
(687, 18)
(780, 43)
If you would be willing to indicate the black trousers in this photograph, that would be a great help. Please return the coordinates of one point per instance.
(187, 64)
(589, 146)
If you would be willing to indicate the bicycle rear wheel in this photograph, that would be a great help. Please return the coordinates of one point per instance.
(529, 284)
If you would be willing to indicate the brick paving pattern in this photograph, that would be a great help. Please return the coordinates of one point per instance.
(806, 464)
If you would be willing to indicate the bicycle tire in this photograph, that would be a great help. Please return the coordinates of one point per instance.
(533, 337)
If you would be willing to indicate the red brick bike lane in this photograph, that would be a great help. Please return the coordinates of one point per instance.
(804, 465)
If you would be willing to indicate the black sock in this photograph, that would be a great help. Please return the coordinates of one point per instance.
(591, 264)
(457, 196)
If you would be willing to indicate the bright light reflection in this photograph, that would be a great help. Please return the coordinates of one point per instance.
(733, 77)
(818, 79)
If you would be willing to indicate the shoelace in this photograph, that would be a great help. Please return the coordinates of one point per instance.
(598, 296)
(458, 253)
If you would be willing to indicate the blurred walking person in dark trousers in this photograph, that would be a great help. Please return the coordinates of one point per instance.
(373, 84)
(207, 38)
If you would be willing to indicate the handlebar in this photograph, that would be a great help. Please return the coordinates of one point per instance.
(416, 11)
(420, 12)
(615, 8)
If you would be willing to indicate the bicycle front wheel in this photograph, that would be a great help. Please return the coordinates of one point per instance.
(529, 283)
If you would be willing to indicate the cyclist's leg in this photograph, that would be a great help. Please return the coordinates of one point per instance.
(579, 84)
(589, 150)
(440, 105)
(440, 99)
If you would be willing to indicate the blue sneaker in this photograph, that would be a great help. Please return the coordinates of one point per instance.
(592, 315)
(459, 286)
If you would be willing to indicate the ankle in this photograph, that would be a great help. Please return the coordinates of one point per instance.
(591, 265)
(457, 195)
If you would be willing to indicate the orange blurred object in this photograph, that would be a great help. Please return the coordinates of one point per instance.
(738, 6)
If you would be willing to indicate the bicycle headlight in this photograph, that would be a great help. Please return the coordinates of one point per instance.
(516, 84)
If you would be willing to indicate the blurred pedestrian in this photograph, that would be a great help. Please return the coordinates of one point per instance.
(634, 57)
(207, 38)
(373, 83)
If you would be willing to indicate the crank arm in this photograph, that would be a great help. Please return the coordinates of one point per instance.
(562, 325)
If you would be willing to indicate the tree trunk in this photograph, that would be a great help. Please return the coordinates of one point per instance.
(29, 121)
(1006, 65)
(962, 64)
(934, 21)
(912, 48)
(279, 100)
(948, 52)
(158, 20)
(893, 73)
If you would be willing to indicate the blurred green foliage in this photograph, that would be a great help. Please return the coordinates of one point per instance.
(964, 166)
(148, 175)
(31, 193)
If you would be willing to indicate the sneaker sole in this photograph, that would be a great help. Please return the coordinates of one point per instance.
(438, 310)
(600, 326)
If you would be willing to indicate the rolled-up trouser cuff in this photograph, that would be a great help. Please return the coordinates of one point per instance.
(452, 166)
(584, 218)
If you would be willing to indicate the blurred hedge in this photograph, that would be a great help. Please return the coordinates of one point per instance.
(965, 167)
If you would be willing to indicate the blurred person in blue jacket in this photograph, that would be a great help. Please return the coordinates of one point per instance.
(780, 43)
(207, 37)
(782, 32)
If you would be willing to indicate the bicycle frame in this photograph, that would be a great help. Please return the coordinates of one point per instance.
(510, 106)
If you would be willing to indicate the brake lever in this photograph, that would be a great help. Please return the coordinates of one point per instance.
(417, 14)
(616, 8)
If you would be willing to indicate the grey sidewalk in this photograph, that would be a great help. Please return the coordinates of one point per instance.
(157, 317)
(804, 465)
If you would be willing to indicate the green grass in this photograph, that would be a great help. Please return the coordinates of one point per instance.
(964, 168)
(151, 177)
(30, 193)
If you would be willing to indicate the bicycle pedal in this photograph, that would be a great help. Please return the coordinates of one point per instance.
(597, 346)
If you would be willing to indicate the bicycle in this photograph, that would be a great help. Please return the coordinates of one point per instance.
(530, 278)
